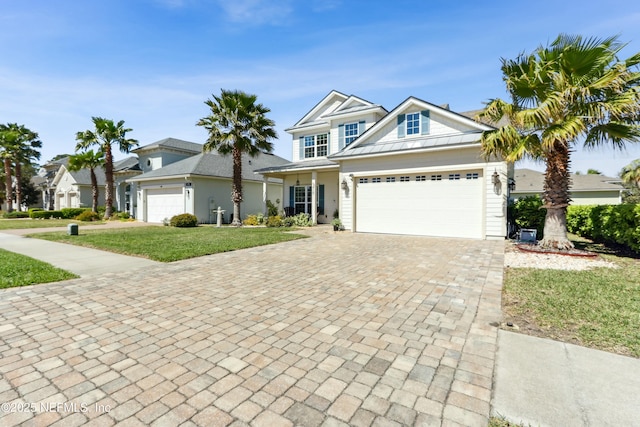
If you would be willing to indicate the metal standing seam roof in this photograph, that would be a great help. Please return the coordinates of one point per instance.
(408, 144)
(292, 166)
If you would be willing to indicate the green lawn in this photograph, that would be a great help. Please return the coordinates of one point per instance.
(20, 270)
(14, 224)
(168, 244)
(597, 308)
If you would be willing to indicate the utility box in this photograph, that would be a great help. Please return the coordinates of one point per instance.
(72, 229)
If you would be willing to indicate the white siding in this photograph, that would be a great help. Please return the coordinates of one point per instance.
(496, 201)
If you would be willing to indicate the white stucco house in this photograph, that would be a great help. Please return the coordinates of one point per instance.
(72, 189)
(588, 189)
(177, 177)
(416, 169)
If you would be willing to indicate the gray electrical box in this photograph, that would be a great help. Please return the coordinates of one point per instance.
(72, 229)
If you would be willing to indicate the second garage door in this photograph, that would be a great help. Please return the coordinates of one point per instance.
(434, 204)
(164, 203)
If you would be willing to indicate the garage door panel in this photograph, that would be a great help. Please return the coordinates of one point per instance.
(433, 208)
(164, 203)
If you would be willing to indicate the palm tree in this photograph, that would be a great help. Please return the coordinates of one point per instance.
(26, 152)
(574, 89)
(237, 125)
(630, 174)
(105, 134)
(8, 140)
(88, 160)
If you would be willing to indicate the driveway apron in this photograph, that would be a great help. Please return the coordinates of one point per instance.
(336, 329)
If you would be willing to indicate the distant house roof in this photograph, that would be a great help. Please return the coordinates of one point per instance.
(171, 144)
(531, 181)
(126, 165)
(213, 165)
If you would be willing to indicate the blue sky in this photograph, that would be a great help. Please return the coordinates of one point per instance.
(153, 63)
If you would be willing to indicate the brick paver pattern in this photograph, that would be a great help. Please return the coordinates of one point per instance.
(337, 329)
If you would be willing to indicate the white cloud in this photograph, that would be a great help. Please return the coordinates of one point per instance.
(257, 12)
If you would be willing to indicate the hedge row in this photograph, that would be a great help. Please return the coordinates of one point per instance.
(605, 223)
(608, 223)
(65, 213)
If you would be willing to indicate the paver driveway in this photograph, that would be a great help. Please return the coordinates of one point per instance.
(335, 329)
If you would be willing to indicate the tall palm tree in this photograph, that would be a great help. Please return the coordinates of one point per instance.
(88, 160)
(105, 134)
(26, 152)
(630, 174)
(573, 90)
(237, 125)
(8, 141)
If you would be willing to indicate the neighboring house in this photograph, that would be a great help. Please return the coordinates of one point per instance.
(590, 189)
(415, 170)
(72, 189)
(177, 177)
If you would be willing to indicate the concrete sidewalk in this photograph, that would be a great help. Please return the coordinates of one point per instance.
(541, 382)
(76, 259)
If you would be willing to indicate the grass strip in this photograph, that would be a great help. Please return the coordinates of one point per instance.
(21, 270)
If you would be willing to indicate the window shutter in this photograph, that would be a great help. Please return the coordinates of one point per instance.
(340, 137)
(321, 199)
(424, 119)
(301, 148)
(401, 118)
(360, 127)
(291, 197)
(328, 143)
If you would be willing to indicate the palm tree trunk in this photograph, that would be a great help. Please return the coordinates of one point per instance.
(236, 186)
(18, 186)
(94, 191)
(556, 197)
(108, 174)
(9, 187)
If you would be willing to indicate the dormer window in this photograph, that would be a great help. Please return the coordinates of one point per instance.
(315, 145)
(414, 123)
(350, 132)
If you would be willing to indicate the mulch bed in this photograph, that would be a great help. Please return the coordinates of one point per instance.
(547, 251)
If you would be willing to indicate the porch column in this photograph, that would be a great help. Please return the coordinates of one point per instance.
(314, 198)
(265, 182)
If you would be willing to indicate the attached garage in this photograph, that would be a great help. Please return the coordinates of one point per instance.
(164, 203)
(448, 204)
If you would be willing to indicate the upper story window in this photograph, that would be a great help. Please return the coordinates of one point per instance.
(350, 132)
(314, 146)
(415, 123)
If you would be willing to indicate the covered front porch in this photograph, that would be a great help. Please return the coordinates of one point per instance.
(308, 187)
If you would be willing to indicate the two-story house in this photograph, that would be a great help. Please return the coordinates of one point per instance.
(417, 169)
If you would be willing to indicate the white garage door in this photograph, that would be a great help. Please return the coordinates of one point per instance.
(434, 204)
(164, 203)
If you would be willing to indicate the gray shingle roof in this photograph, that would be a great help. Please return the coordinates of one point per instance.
(530, 181)
(408, 144)
(215, 165)
(172, 143)
(83, 176)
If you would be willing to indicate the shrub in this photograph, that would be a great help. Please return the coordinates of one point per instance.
(528, 213)
(300, 220)
(618, 224)
(251, 220)
(88, 215)
(68, 213)
(274, 221)
(15, 214)
(45, 214)
(272, 209)
(184, 220)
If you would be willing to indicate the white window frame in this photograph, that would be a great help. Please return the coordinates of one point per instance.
(412, 123)
(351, 132)
(313, 148)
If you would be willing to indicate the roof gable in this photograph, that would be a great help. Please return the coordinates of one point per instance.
(447, 128)
(328, 104)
